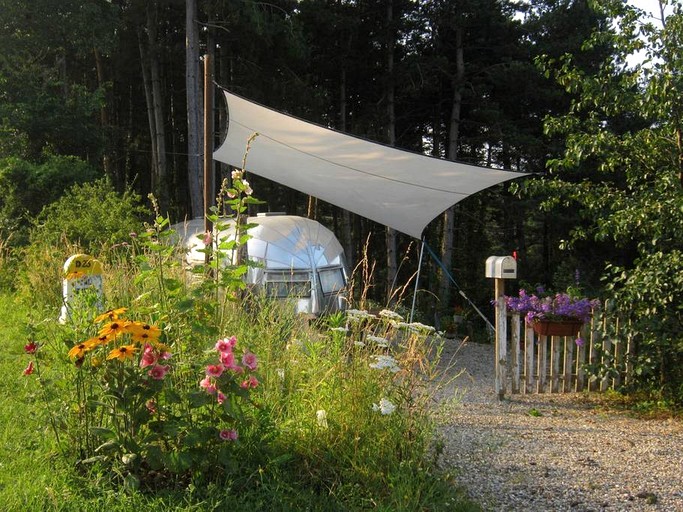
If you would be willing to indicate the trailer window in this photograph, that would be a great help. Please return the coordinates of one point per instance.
(331, 280)
(287, 284)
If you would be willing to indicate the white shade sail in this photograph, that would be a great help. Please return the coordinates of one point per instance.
(400, 189)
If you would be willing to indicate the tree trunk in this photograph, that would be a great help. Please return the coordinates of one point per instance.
(195, 172)
(147, 83)
(104, 116)
(390, 237)
(453, 139)
(161, 175)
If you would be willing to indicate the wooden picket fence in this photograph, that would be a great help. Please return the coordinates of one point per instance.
(529, 363)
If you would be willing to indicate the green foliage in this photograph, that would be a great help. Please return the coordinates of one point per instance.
(302, 419)
(623, 173)
(25, 188)
(92, 215)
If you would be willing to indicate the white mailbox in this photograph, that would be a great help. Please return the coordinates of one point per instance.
(501, 267)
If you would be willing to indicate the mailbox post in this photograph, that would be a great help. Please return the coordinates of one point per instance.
(501, 268)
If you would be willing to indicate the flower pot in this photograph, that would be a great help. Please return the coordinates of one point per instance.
(557, 327)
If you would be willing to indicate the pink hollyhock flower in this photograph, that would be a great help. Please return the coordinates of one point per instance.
(207, 238)
(249, 360)
(208, 385)
(158, 371)
(224, 345)
(31, 347)
(148, 356)
(29, 368)
(165, 355)
(237, 369)
(251, 382)
(228, 359)
(215, 370)
(228, 434)
(151, 406)
(220, 397)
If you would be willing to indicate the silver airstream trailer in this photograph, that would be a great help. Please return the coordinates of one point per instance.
(297, 259)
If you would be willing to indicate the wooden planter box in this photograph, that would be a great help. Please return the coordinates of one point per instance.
(557, 327)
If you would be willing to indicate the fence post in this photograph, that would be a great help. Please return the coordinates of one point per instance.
(501, 339)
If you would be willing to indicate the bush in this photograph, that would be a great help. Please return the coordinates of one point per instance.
(26, 187)
(91, 218)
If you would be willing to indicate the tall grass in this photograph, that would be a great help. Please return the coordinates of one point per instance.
(338, 416)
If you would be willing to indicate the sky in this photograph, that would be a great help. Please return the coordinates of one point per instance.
(651, 6)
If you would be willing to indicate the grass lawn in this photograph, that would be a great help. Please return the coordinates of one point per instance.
(35, 476)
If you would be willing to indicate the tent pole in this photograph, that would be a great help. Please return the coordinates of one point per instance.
(417, 280)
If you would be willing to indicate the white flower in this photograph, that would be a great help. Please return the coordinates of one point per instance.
(236, 174)
(321, 416)
(390, 315)
(339, 329)
(359, 343)
(385, 407)
(280, 373)
(381, 342)
(384, 362)
(416, 327)
(358, 314)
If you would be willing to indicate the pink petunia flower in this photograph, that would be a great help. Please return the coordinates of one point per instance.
(251, 382)
(148, 356)
(249, 360)
(228, 434)
(31, 347)
(215, 370)
(158, 371)
(29, 368)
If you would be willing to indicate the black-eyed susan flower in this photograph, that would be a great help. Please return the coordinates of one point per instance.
(79, 351)
(114, 328)
(143, 333)
(99, 340)
(123, 352)
(110, 315)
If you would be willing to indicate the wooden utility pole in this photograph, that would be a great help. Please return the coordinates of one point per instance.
(208, 139)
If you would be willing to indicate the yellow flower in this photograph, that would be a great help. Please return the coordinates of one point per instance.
(111, 315)
(79, 351)
(99, 340)
(152, 331)
(123, 352)
(143, 333)
(114, 328)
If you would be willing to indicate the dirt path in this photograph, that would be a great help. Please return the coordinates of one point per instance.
(552, 452)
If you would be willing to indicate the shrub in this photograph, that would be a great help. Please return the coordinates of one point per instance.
(91, 218)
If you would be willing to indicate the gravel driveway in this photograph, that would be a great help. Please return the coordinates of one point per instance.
(551, 452)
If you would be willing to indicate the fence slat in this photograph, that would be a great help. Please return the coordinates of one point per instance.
(542, 363)
(556, 343)
(568, 364)
(529, 366)
(515, 352)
